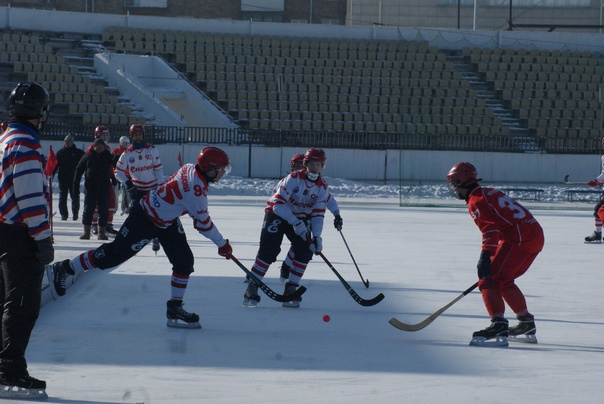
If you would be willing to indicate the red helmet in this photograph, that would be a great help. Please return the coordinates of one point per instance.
(102, 132)
(297, 161)
(137, 127)
(313, 154)
(3, 126)
(213, 157)
(463, 174)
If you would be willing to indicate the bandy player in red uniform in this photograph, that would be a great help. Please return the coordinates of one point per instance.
(511, 240)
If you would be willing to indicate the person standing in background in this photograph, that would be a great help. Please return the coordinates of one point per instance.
(119, 190)
(139, 168)
(67, 160)
(97, 167)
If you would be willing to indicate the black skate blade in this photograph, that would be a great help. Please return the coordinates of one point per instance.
(526, 339)
(497, 342)
(175, 323)
(21, 393)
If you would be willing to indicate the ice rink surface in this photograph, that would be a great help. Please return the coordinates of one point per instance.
(106, 340)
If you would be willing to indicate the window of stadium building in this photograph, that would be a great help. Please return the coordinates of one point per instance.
(520, 3)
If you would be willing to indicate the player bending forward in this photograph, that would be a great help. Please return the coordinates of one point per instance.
(157, 215)
(511, 240)
(296, 210)
(297, 163)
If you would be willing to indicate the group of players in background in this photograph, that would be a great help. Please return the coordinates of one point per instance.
(511, 236)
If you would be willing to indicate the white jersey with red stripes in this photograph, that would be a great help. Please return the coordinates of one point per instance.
(296, 198)
(185, 192)
(140, 165)
(600, 178)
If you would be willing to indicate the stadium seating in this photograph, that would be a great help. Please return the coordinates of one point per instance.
(83, 98)
(375, 85)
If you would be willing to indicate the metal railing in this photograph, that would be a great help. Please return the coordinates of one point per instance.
(342, 140)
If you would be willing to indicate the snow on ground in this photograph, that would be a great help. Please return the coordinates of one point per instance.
(106, 340)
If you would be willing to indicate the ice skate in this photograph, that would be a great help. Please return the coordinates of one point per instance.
(284, 272)
(495, 335)
(594, 238)
(57, 277)
(289, 289)
(251, 296)
(155, 246)
(109, 229)
(179, 317)
(524, 331)
(22, 388)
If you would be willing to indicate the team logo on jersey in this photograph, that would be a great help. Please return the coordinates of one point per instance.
(131, 160)
(273, 227)
(139, 246)
(99, 253)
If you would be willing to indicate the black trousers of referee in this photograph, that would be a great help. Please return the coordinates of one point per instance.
(20, 296)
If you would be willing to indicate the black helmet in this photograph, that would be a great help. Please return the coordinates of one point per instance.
(28, 101)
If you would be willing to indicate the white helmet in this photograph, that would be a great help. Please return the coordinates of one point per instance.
(124, 141)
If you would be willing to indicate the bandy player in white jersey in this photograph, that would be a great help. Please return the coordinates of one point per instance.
(139, 167)
(596, 237)
(297, 163)
(296, 210)
(157, 215)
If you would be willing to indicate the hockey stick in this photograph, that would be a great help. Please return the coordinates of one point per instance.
(268, 291)
(365, 282)
(573, 183)
(426, 322)
(355, 296)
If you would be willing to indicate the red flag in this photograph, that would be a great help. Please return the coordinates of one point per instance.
(51, 163)
(179, 159)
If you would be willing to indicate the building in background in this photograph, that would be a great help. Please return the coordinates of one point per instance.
(568, 15)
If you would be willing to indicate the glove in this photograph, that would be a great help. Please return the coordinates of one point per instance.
(337, 222)
(46, 252)
(484, 265)
(316, 246)
(300, 229)
(592, 183)
(226, 250)
(132, 190)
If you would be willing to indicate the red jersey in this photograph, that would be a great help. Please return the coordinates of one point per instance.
(501, 218)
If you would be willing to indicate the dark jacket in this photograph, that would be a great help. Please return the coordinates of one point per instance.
(67, 161)
(97, 170)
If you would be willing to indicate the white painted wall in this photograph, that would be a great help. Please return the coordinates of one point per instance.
(392, 165)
